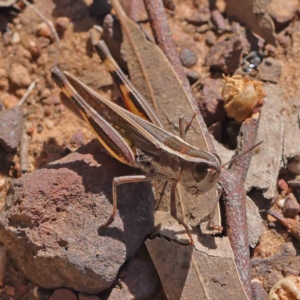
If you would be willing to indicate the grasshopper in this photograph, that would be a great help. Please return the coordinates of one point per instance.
(136, 137)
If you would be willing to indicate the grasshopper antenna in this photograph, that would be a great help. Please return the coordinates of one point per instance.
(233, 159)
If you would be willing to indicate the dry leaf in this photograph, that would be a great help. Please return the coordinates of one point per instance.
(266, 159)
(206, 271)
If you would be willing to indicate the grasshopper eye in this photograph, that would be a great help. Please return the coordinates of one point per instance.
(200, 171)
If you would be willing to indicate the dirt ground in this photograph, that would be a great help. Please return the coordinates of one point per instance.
(28, 51)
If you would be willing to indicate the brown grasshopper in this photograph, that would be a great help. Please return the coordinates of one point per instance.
(137, 139)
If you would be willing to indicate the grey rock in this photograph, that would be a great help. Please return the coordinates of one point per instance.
(11, 123)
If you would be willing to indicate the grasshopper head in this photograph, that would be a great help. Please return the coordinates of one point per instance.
(198, 176)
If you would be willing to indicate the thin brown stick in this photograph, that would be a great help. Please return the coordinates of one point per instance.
(232, 181)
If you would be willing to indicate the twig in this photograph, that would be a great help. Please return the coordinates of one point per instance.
(52, 28)
(231, 180)
(24, 146)
(25, 96)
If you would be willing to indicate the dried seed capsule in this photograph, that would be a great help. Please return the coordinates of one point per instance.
(287, 288)
(242, 96)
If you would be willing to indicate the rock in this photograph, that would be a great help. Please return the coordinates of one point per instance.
(225, 55)
(52, 218)
(139, 279)
(16, 38)
(61, 24)
(218, 20)
(44, 30)
(21, 290)
(253, 14)
(283, 11)
(258, 292)
(83, 296)
(19, 75)
(199, 18)
(188, 57)
(192, 76)
(11, 124)
(210, 101)
(63, 294)
(9, 100)
(211, 38)
(77, 139)
(291, 207)
(270, 69)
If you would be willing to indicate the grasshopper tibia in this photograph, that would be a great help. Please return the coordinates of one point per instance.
(117, 181)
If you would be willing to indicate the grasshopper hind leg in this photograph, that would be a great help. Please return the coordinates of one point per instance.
(118, 181)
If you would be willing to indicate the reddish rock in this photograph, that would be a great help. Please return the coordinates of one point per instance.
(51, 221)
(63, 294)
(291, 206)
(225, 55)
(11, 123)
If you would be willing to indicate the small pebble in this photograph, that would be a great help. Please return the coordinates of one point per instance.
(218, 20)
(16, 38)
(169, 4)
(210, 38)
(63, 294)
(199, 18)
(40, 128)
(48, 110)
(192, 76)
(49, 124)
(21, 290)
(280, 203)
(9, 100)
(77, 139)
(34, 49)
(291, 206)
(203, 28)
(188, 57)
(10, 291)
(44, 30)
(19, 75)
(61, 24)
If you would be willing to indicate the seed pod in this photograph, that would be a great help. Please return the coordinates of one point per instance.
(286, 288)
(242, 96)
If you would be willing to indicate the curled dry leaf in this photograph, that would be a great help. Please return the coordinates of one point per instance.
(286, 289)
(242, 96)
